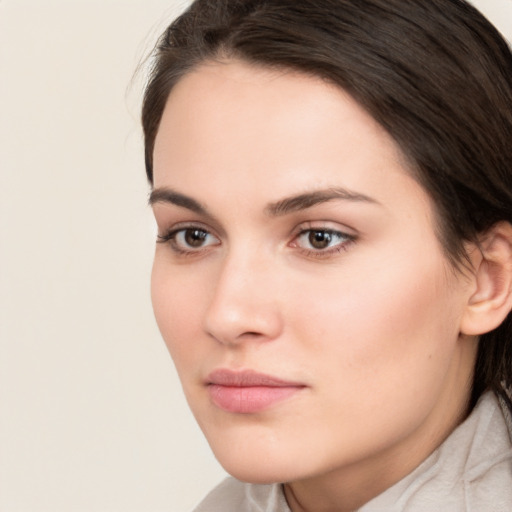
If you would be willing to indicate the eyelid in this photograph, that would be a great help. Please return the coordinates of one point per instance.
(326, 226)
(170, 227)
(167, 214)
(169, 237)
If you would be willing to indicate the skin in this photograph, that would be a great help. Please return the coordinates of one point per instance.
(370, 326)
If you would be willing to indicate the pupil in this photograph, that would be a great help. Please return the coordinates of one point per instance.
(320, 239)
(195, 237)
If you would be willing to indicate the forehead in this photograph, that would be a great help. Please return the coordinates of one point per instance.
(275, 131)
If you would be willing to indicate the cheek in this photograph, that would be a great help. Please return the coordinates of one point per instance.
(378, 347)
(177, 308)
(399, 319)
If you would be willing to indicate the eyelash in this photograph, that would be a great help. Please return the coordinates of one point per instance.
(347, 239)
(170, 238)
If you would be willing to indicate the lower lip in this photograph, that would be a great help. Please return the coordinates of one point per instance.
(249, 399)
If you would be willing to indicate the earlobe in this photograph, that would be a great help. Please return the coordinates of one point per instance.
(491, 298)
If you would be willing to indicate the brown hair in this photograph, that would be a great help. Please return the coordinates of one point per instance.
(435, 74)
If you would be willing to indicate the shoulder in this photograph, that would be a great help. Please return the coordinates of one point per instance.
(226, 497)
(470, 471)
(231, 495)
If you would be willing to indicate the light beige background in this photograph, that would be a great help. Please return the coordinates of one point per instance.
(91, 412)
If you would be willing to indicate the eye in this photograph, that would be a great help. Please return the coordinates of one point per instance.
(193, 237)
(322, 240)
(189, 239)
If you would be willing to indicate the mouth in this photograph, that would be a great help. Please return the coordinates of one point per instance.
(248, 392)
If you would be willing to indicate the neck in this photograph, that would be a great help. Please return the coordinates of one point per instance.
(347, 489)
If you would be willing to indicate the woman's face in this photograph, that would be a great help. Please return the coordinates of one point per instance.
(298, 283)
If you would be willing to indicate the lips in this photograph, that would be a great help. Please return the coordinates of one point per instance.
(248, 392)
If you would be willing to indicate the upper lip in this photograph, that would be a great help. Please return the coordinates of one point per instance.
(247, 378)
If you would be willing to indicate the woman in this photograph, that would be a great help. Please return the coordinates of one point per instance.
(332, 185)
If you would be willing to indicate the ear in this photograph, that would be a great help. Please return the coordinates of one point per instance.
(491, 296)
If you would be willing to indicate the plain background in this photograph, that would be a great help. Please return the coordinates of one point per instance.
(92, 417)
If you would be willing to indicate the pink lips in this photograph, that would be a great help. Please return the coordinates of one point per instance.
(248, 392)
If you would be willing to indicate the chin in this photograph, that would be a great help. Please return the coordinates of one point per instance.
(260, 465)
(258, 473)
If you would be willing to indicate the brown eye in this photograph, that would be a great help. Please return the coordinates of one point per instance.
(320, 239)
(189, 240)
(195, 237)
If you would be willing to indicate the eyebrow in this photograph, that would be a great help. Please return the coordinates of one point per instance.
(310, 199)
(276, 209)
(166, 195)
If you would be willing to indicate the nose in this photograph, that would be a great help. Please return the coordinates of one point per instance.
(244, 305)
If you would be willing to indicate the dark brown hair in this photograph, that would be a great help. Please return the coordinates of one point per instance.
(434, 73)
